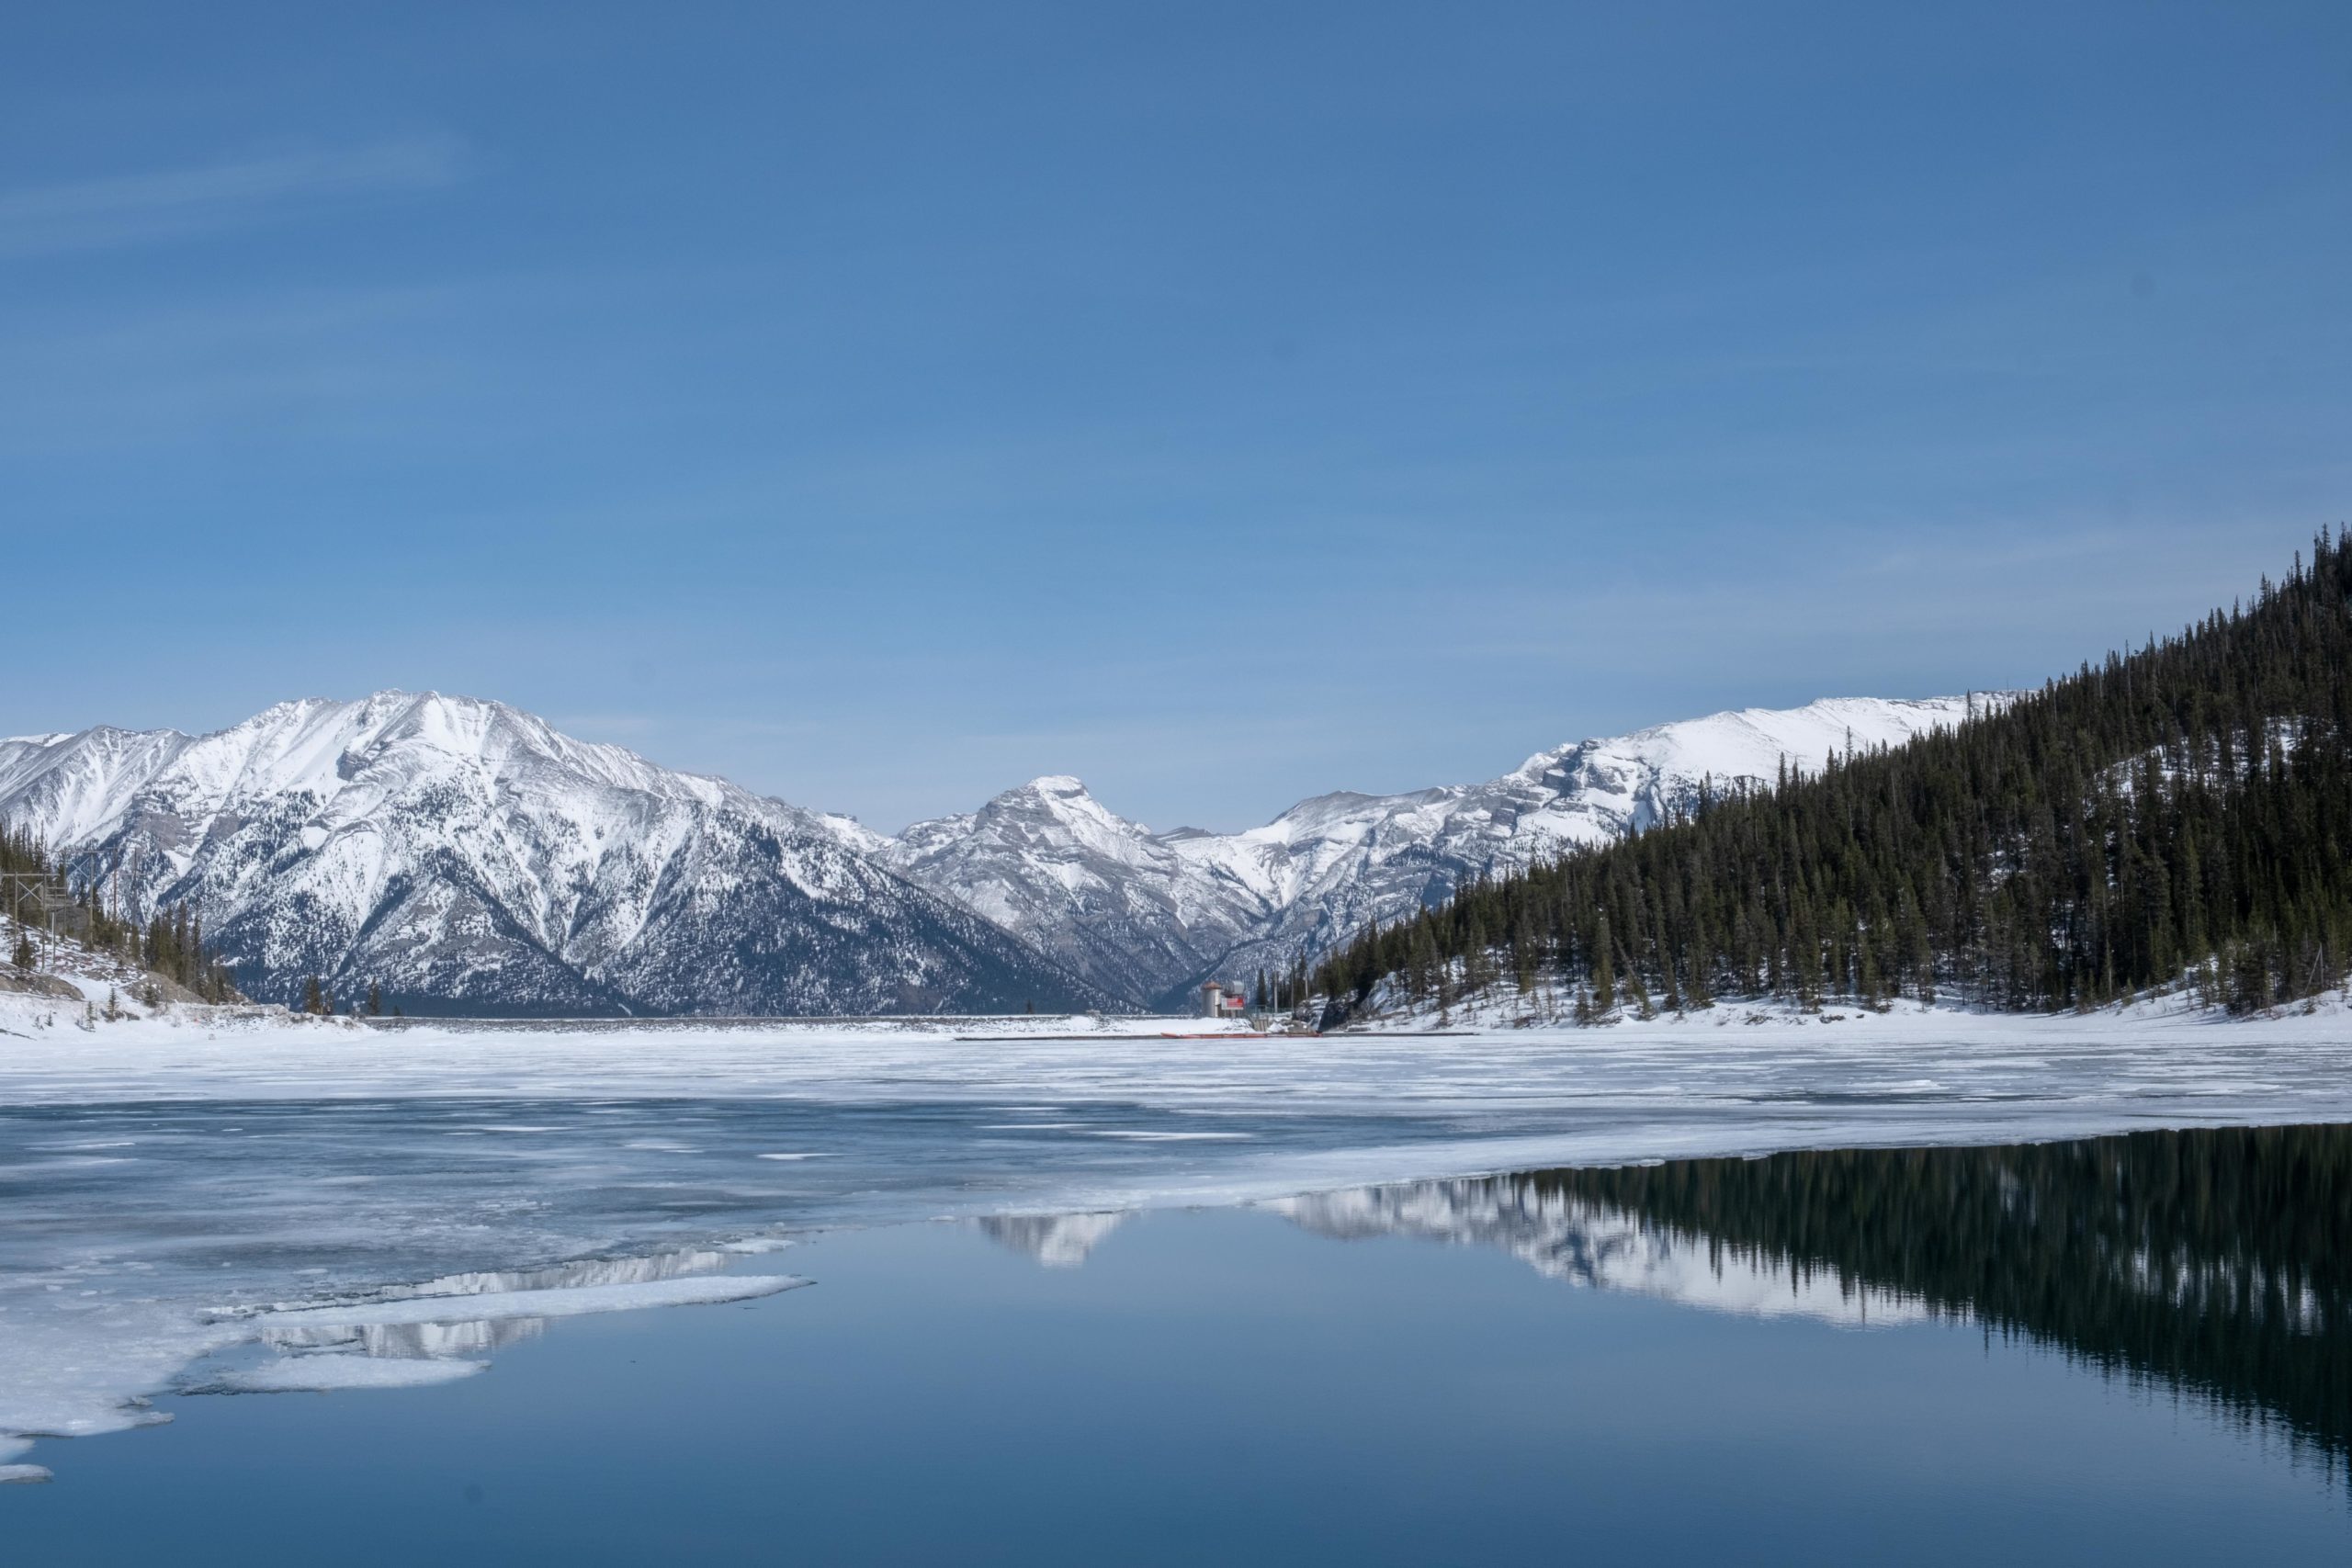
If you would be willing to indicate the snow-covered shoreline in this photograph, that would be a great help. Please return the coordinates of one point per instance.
(199, 1054)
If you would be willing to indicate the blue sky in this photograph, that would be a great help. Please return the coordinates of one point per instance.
(881, 404)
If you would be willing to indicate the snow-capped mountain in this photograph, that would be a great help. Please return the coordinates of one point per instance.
(463, 854)
(1149, 915)
(1129, 909)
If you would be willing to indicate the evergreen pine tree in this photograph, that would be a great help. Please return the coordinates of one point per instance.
(1604, 969)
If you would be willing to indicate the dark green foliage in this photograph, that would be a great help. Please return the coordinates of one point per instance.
(2184, 810)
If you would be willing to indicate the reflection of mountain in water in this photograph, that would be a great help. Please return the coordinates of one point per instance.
(1586, 1243)
(1058, 1241)
(409, 1342)
(581, 1274)
(330, 1347)
(2216, 1263)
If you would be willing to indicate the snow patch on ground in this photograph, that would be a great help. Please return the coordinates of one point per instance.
(26, 1017)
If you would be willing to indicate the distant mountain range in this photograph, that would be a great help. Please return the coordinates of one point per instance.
(466, 857)
(1149, 914)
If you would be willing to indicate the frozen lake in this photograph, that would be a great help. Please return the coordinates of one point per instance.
(2131, 1350)
(266, 1209)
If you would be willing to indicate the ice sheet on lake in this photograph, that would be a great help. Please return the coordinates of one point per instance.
(79, 1368)
(575, 1302)
(166, 1191)
(523, 1066)
(326, 1373)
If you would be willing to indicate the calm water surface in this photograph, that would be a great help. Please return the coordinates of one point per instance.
(2122, 1350)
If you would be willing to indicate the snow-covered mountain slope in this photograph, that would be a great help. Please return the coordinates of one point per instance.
(1128, 909)
(463, 854)
(1150, 914)
(466, 856)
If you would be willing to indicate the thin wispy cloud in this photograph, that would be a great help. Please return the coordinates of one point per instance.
(126, 210)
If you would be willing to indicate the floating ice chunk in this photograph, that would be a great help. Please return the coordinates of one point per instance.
(757, 1244)
(20, 1475)
(563, 1302)
(789, 1157)
(1168, 1137)
(319, 1374)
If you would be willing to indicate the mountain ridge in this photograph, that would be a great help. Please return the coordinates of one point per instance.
(464, 854)
(1180, 907)
(461, 852)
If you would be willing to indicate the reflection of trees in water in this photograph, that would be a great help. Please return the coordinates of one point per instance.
(2217, 1262)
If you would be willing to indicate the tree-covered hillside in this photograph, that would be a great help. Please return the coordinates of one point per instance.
(2182, 811)
(169, 942)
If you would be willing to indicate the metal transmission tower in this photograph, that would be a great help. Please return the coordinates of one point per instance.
(49, 906)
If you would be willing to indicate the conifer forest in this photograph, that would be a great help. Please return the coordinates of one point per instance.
(2178, 813)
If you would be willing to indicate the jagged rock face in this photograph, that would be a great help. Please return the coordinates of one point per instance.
(1124, 908)
(1150, 914)
(465, 856)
